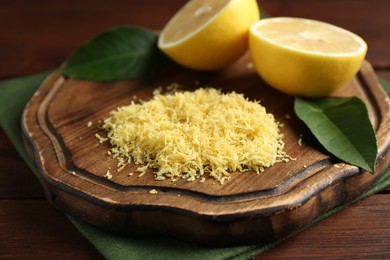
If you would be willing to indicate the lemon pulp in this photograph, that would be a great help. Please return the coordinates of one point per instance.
(199, 12)
(209, 35)
(305, 57)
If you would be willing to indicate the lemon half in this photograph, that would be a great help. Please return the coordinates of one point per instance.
(209, 35)
(304, 57)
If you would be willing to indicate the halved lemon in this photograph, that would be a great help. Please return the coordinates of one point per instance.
(209, 35)
(304, 57)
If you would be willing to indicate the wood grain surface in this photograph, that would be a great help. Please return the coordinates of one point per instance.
(40, 35)
(246, 209)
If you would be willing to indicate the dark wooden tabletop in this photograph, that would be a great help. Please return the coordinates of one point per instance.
(39, 35)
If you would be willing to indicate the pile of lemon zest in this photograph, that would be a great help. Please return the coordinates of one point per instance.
(189, 134)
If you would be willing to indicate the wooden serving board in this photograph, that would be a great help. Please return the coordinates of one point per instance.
(249, 208)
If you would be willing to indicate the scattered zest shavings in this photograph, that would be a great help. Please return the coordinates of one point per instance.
(153, 191)
(300, 140)
(190, 134)
(108, 175)
(101, 139)
(249, 65)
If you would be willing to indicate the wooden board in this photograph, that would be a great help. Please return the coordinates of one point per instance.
(249, 208)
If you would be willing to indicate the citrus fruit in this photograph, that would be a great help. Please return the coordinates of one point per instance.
(304, 57)
(209, 35)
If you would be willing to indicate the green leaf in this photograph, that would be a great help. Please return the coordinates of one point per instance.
(343, 127)
(119, 53)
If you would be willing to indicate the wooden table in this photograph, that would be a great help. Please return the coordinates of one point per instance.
(39, 35)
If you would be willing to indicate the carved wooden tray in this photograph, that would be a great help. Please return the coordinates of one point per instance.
(249, 208)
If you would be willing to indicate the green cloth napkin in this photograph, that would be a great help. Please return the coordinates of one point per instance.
(15, 93)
